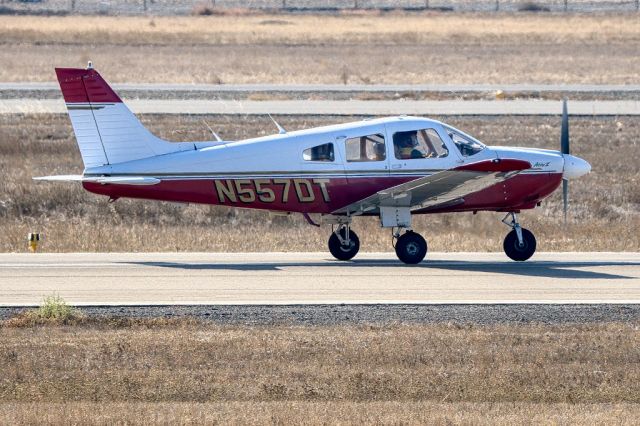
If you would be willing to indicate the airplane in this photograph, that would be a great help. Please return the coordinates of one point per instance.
(392, 168)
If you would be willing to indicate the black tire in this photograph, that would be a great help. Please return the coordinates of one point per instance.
(517, 252)
(341, 252)
(411, 248)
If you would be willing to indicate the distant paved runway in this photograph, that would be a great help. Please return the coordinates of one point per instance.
(374, 88)
(314, 278)
(350, 107)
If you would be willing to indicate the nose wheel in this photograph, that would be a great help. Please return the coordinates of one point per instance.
(411, 247)
(344, 243)
(520, 243)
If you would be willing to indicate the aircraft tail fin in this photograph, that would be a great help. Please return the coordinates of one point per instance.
(106, 130)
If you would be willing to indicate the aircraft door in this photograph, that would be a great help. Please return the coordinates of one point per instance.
(365, 154)
(366, 161)
(419, 150)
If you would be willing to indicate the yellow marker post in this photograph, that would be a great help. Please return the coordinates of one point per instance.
(34, 239)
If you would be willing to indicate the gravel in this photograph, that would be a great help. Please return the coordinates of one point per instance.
(374, 314)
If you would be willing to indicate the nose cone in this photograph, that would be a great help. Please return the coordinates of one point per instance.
(574, 167)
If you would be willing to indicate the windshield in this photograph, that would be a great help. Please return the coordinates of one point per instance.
(467, 145)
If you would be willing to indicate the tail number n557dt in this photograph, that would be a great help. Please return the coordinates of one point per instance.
(270, 190)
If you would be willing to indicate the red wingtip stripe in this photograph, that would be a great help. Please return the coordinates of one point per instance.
(497, 165)
(84, 85)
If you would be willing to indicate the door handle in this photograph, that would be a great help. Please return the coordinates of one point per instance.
(396, 166)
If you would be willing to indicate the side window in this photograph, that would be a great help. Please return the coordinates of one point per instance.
(365, 148)
(322, 152)
(425, 143)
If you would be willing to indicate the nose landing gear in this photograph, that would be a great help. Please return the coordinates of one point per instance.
(520, 243)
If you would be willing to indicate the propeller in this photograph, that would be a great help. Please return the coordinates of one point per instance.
(564, 148)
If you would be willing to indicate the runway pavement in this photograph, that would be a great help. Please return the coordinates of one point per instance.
(350, 107)
(314, 278)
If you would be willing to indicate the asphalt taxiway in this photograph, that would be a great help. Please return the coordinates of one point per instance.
(315, 278)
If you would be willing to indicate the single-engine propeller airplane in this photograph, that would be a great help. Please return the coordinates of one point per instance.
(391, 167)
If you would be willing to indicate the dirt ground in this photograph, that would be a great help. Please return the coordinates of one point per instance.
(190, 373)
(370, 48)
(604, 207)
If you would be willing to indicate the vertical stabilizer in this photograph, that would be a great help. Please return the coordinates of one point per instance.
(106, 130)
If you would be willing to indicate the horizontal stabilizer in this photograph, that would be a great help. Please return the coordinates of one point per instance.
(113, 180)
(61, 178)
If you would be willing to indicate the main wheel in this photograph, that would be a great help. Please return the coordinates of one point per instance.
(411, 248)
(344, 252)
(518, 252)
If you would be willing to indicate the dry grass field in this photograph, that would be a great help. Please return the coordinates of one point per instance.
(184, 372)
(357, 48)
(604, 211)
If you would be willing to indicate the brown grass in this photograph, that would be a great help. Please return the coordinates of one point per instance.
(604, 210)
(191, 373)
(308, 413)
(315, 29)
(389, 48)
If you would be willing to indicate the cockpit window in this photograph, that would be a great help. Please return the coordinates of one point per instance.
(425, 143)
(467, 145)
(319, 153)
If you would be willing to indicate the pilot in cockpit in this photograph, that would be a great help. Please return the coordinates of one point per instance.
(406, 144)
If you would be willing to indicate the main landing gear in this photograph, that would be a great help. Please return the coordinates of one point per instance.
(411, 247)
(519, 244)
(343, 242)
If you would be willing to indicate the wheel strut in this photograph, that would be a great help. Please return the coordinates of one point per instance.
(345, 241)
(396, 232)
(515, 225)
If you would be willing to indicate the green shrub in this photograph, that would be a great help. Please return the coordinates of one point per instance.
(53, 310)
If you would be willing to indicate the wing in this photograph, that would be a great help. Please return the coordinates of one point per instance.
(446, 187)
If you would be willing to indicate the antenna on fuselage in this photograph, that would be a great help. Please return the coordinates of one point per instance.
(281, 129)
(215, 135)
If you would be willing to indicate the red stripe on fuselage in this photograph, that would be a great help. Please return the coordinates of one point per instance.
(306, 196)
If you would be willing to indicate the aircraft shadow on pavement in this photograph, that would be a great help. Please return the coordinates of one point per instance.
(546, 269)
